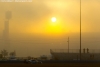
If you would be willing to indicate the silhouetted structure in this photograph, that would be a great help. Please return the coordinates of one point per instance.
(74, 54)
(6, 30)
(84, 50)
(8, 15)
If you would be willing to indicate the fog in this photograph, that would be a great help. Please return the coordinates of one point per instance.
(30, 33)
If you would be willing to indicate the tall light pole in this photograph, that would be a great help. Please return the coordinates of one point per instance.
(80, 30)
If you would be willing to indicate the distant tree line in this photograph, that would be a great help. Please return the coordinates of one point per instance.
(5, 53)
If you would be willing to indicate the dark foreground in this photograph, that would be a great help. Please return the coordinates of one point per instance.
(50, 65)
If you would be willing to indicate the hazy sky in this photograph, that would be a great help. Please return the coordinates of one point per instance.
(32, 30)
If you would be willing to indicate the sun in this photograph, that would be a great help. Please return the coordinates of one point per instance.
(53, 19)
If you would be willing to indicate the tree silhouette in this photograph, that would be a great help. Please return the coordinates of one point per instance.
(4, 53)
(12, 54)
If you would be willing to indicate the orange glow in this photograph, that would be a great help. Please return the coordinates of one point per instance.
(54, 27)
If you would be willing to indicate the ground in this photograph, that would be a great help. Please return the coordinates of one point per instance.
(50, 65)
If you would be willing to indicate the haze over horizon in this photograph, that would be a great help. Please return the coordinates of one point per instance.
(32, 32)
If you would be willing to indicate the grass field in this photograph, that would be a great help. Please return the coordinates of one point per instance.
(50, 65)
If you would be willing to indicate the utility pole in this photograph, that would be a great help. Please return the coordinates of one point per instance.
(68, 44)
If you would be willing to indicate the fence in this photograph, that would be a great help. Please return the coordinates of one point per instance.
(74, 51)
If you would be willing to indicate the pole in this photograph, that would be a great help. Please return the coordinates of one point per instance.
(68, 44)
(80, 30)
